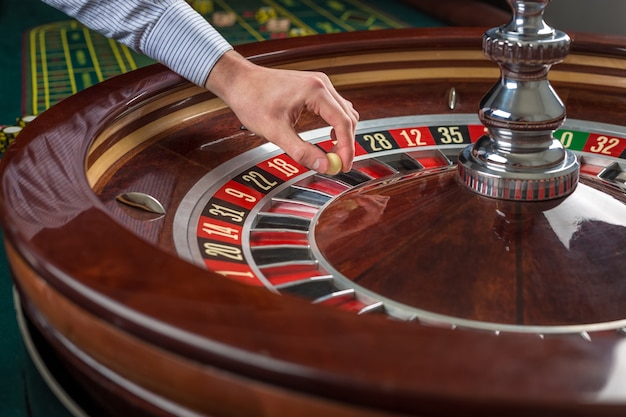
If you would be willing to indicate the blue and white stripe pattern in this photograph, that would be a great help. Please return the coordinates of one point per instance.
(168, 31)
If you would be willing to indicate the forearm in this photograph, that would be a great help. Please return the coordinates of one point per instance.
(185, 42)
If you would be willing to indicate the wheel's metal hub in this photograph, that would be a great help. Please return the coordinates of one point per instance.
(519, 159)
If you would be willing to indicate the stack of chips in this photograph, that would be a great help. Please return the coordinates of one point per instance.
(8, 134)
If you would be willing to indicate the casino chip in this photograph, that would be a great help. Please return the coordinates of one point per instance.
(265, 13)
(295, 32)
(24, 120)
(7, 136)
(278, 25)
(204, 7)
(222, 19)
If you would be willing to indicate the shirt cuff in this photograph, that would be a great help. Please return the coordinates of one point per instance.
(185, 42)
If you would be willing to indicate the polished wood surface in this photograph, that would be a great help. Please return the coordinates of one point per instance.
(431, 243)
(103, 282)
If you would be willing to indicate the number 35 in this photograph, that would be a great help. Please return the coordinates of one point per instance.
(450, 134)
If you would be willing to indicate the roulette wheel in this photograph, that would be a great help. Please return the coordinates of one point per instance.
(470, 262)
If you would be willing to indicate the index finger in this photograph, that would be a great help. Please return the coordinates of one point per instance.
(343, 118)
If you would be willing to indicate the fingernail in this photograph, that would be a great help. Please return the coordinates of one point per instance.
(316, 164)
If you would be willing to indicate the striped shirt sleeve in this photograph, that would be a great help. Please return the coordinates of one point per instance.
(168, 31)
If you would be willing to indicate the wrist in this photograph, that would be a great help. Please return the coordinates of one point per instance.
(228, 70)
